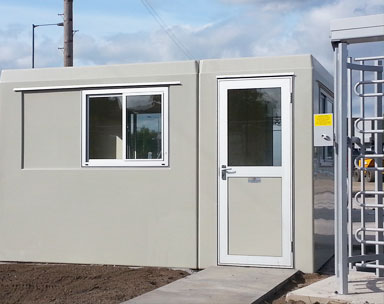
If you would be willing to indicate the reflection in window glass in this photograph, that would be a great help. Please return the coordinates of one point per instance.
(144, 125)
(105, 127)
(326, 106)
(254, 127)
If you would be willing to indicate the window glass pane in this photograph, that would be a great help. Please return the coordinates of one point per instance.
(105, 127)
(326, 106)
(254, 127)
(144, 127)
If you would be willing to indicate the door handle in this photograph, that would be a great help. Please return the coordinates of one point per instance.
(325, 137)
(225, 171)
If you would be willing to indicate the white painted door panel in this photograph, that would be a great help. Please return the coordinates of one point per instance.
(254, 172)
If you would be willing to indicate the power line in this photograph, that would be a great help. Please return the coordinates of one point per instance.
(167, 30)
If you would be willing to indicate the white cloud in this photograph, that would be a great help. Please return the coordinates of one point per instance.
(13, 51)
(278, 5)
(16, 49)
(261, 2)
(123, 48)
(312, 33)
(252, 32)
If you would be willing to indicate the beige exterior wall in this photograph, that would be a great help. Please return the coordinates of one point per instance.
(323, 181)
(53, 210)
(51, 124)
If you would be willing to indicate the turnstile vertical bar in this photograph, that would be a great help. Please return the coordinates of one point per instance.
(341, 246)
(378, 174)
(350, 163)
(362, 152)
(335, 159)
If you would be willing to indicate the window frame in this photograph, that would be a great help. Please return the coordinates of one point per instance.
(326, 160)
(123, 162)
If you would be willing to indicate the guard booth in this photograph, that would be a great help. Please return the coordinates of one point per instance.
(182, 164)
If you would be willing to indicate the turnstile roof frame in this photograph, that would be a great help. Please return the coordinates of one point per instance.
(358, 29)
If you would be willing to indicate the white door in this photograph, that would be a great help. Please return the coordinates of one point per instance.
(254, 173)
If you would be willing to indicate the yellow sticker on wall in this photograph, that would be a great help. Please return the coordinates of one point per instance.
(322, 120)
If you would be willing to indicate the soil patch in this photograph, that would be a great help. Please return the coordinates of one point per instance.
(300, 280)
(81, 284)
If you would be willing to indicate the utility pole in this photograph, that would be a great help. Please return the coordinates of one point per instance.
(68, 33)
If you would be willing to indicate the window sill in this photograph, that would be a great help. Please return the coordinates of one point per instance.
(125, 163)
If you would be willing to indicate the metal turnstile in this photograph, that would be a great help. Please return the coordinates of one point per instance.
(359, 232)
(365, 201)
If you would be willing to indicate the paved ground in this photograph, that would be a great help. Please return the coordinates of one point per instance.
(364, 288)
(224, 285)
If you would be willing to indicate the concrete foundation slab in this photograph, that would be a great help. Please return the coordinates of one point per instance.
(224, 285)
(364, 288)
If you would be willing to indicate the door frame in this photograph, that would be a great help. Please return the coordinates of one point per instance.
(285, 171)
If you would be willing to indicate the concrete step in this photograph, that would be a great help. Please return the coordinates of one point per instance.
(222, 284)
(363, 288)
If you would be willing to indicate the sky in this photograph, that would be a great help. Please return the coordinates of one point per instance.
(118, 31)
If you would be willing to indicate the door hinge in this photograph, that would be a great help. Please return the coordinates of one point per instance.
(291, 246)
(291, 97)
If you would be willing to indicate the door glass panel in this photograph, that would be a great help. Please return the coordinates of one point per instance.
(254, 127)
(254, 216)
(144, 127)
(105, 127)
